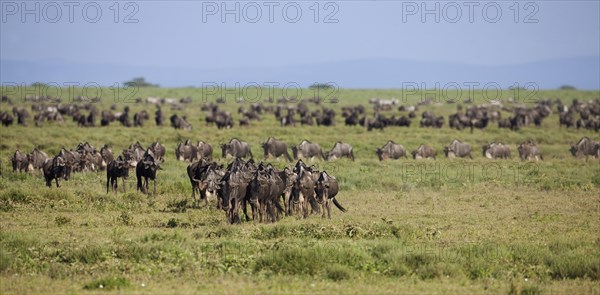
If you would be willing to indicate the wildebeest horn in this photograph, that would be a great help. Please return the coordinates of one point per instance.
(196, 180)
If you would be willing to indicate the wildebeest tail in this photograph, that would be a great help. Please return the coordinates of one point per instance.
(335, 202)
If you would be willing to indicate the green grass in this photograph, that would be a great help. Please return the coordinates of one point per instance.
(443, 226)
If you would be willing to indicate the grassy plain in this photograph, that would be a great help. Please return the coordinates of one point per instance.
(443, 226)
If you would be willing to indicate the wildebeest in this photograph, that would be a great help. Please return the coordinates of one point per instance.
(118, 168)
(180, 122)
(158, 150)
(306, 150)
(236, 148)
(303, 190)
(424, 152)
(72, 161)
(55, 168)
(428, 119)
(585, 147)
(223, 119)
(205, 150)
(19, 161)
(124, 118)
(275, 148)
(325, 190)
(529, 150)
(140, 118)
(36, 159)
(146, 168)
(262, 194)
(339, 150)
(458, 149)
(107, 154)
(136, 151)
(496, 150)
(196, 172)
(6, 118)
(187, 151)
(390, 150)
(158, 116)
(233, 190)
(205, 177)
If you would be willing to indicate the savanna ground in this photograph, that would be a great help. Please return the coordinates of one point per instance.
(443, 226)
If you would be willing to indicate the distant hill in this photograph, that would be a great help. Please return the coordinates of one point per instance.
(582, 73)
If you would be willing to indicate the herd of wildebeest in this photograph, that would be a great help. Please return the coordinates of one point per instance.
(300, 188)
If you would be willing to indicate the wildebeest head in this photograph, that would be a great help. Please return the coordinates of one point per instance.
(295, 151)
(574, 149)
(414, 154)
(299, 166)
(379, 153)
(151, 164)
(59, 165)
(126, 160)
(485, 148)
(447, 150)
(225, 148)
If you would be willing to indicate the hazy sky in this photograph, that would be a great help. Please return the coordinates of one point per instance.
(197, 34)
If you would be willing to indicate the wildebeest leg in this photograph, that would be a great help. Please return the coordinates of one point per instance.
(305, 206)
(245, 208)
(328, 206)
(140, 185)
(107, 181)
(285, 204)
(124, 188)
(193, 193)
(57, 181)
(260, 211)
(254, 208)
